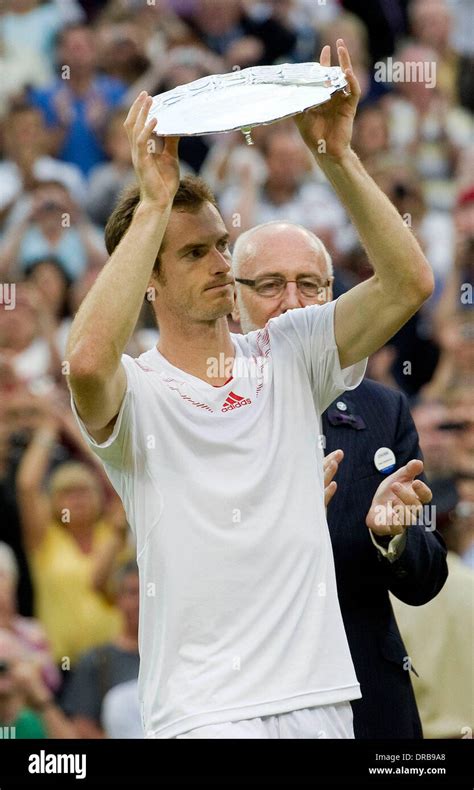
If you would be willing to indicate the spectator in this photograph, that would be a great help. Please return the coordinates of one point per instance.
(121, 50)
(431, 26)
(27, 630)
(72, 548)
(76, 294)
(426, 125)
(287, 193)
(457, 293)
(27, 162)
(371, 134)
(230, 157)
(228, 31)
(461, 37)
(291, 16)
(20, 70)
(464, 515)
(52, 285)
(75, 106)
(26, 31)
(464, 220)
(11, 533)
(121, 716)
(13, 712)
(27, 340)
(38, 23)
(54, 225)
(108, 180)
(437, 638)
(456, 364)
(27, 707)
(437, 438)
(105, 667)
(385, 24)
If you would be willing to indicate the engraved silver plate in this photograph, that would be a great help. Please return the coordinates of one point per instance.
(244, 99)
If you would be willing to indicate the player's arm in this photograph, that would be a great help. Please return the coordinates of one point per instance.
(369, 314)
(109, 313)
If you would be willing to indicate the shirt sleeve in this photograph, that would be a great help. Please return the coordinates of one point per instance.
(395, 548)
(310, 331)
(120, 449)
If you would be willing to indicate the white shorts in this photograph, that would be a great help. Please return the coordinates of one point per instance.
(326, 721)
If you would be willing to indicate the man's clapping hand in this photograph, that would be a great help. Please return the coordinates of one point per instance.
(398, 501)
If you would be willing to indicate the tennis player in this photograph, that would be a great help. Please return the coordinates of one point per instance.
(219, 465)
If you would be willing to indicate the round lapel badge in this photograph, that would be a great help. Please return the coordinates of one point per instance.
(384, 460)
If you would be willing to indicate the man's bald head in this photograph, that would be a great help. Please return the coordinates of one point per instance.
(252, 245)
(284, 250)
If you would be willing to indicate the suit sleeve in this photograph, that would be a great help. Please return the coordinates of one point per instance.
(421, 570)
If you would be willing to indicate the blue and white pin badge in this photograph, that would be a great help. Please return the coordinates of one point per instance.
(384, 460)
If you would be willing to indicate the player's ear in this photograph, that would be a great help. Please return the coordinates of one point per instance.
(151, 292)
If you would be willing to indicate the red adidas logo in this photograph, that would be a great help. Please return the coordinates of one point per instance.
(234, 401)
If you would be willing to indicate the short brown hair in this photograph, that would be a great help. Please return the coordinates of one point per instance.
(192, 193)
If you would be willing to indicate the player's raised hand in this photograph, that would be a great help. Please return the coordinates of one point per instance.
(327, 129)
(156, 163)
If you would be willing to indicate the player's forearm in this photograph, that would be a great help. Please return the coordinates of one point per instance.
(109, 313)
(393, 251)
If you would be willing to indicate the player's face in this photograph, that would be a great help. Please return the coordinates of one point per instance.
(288, 254)
(196, 280)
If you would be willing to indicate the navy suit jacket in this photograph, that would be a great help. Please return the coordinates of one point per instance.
(364, 577)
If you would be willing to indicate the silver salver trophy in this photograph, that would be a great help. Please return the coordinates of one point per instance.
(244, 99)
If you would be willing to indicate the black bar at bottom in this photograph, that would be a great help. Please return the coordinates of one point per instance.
(295, 763)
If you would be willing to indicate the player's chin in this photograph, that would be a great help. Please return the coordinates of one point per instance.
(220, 310)
(220, 297)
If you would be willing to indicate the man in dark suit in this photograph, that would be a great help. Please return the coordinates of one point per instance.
(375, 417)
(379, 541)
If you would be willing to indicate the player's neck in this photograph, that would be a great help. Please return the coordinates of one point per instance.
(196, 348)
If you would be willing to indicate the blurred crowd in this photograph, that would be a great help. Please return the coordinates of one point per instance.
(71, 68)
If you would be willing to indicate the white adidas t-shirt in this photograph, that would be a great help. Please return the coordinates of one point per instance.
(223, 488)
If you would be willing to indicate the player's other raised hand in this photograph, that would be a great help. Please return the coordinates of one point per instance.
(155, 161)
(327, 129)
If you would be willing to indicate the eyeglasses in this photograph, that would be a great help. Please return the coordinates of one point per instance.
(271, 287)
